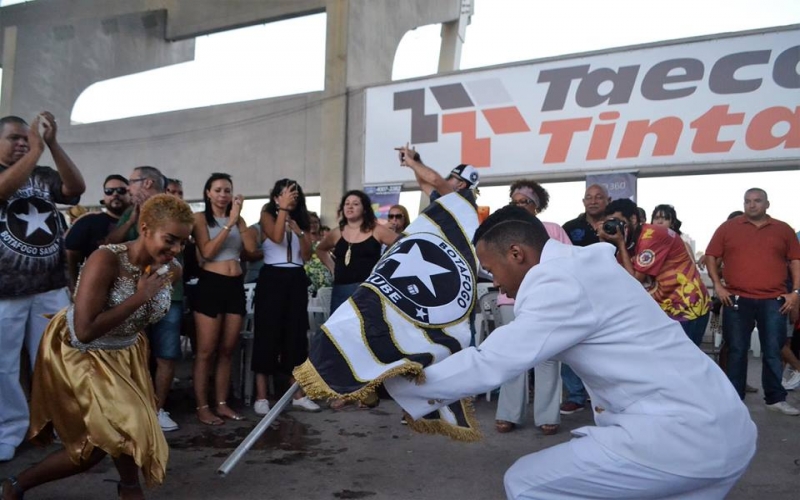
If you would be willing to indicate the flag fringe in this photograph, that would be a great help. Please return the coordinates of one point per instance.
(439, 426)
(315, 386)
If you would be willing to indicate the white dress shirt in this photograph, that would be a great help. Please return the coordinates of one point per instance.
(658, 400)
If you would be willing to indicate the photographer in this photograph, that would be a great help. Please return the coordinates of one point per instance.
(657, 257)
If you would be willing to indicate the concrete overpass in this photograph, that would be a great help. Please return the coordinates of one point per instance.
(53, 50)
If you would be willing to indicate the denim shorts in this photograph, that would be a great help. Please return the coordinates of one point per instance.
(165, 336)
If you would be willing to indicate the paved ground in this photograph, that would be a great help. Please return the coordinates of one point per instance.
(368, 454)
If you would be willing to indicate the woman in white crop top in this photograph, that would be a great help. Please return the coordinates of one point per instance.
(219, 301)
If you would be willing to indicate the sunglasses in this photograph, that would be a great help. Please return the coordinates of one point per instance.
(118, 190)
(520, 203)
(395, 216)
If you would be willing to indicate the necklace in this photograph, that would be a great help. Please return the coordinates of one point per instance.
(347, 254)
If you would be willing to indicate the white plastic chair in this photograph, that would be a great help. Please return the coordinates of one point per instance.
(324, 296)
(245, 373)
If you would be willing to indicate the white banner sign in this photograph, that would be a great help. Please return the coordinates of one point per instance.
(732, 99)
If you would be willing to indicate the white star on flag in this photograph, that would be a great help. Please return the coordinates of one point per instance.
(35, 220)
(413, 264)
(421, 313)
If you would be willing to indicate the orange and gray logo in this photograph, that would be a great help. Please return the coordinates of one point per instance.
(460, 105)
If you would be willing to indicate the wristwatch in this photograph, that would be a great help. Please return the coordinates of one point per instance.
(797, 291)
(302, 233)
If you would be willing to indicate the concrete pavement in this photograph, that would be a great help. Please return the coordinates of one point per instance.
(354, 454)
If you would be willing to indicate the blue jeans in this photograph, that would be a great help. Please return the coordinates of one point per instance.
(737, 326)
(696, 328)
(576, 393)
(341, 293)
(165, 336)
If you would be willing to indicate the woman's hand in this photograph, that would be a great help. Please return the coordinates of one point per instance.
(236, 209)
(293, 227)
(287, 197)
(150, 283)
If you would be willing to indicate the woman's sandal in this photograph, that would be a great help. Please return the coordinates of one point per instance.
(549, 429)
(503, 427)
(14, 484)
(232, 416)
(216, 421)
(338, 404)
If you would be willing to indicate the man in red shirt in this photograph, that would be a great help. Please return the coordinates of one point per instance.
(756, 250)
(657, 257)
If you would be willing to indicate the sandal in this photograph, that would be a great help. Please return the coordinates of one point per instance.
(213, 422)
(549, 429)
(14, 485)
(339, 404)
(371, 402)
(232, 415)
(503, 426)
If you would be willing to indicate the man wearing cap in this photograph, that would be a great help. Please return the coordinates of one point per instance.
(462, 179)
(91, 230)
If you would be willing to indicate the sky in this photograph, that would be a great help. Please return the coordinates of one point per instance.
(228, 69)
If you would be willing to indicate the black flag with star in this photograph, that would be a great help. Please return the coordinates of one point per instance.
(412, 311)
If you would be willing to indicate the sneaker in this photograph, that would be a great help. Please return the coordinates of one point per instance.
(166, 423)
(568, 408)
(791, 380)
(305, 404)
(261, 407)
(6, 452)
(784, 407)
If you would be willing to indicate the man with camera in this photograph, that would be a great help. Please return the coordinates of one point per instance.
(657, 257)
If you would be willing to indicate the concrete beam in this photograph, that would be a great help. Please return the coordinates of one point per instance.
(185, 18)
(56, 63)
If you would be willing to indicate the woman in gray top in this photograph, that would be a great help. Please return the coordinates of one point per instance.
(219, 303)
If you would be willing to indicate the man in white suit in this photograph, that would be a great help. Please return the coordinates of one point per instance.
(668, 422)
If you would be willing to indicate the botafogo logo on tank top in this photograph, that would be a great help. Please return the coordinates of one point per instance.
(30, 228)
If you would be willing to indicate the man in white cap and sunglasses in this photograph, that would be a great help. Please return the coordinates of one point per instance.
(463, 179)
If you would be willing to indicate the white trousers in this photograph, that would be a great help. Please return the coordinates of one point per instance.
(22, 322)
(513, 398)
(581, 468)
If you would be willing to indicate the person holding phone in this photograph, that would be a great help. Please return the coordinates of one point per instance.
(281, 300)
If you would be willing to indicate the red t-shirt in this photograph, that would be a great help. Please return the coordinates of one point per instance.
(755, 257)
(677, 285)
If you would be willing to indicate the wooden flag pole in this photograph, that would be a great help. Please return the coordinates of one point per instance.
(256, 433)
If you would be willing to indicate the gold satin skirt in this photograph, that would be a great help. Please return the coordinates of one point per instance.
(97, 399)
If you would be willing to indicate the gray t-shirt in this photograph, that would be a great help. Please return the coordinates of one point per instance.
(32, 236)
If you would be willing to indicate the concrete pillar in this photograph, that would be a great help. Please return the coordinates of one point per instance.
(453, 35)
(334, 109)
(9, 56)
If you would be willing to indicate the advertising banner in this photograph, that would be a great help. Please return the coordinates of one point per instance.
(619, 185)
(732, 99)
(383, 197)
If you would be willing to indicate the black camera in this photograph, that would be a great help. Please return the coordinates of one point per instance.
(612, 225)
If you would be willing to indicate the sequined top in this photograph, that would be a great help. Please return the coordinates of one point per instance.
(123, 287)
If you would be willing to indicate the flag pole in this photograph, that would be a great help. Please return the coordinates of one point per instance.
(256, 433)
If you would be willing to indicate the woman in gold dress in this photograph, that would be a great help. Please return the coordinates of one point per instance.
(91, 383)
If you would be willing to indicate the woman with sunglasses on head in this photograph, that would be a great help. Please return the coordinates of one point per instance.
(281, 300)
(398, 218)
(219, 304)
(512, 403)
